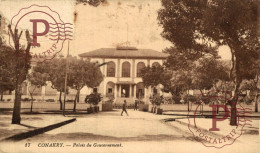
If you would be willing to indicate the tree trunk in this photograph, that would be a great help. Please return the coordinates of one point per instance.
(78, 96)
(60, 101)
(236, 58)
(188, 102)
(31, 94)
(75, 100)
(31, 103)
(2, 95)
(16, 119)
(188, 105)
(256, 103)
(233, 118)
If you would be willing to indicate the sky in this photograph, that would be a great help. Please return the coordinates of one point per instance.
(108, 25)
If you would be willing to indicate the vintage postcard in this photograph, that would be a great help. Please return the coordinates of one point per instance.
(129, 76)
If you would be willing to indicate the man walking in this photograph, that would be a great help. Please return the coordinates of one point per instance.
(124, 108)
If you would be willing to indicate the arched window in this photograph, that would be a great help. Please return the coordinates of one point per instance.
(111, 67)
(140, 66)
(126, 69)
(155, 64)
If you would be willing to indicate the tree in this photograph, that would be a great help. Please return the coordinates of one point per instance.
(36, 80)
(91, 2)
(83, 73)
(194, 26)
(152, 76)
(22, 58)
(174, 79)
(93, 98)
(55, 72)
(208, 72)
(6, 69)
(252, 85)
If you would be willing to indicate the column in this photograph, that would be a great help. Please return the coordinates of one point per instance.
(115, 92)
(119, 95)
(118, 69)
(133, 69)
(148, 62)
(130, 91)
(134, 91)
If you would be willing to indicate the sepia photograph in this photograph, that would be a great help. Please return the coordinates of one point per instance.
(129, 76)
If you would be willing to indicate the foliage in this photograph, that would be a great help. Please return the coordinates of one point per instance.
(55, 69)
(176, 99)
(83, 73)
(157, 99)
(36, 79)
(7, 68)
(93, 98)
(172, 81)
(94, 3)
(20, 65)
(152, 76)
(208, 72)
(190, 98)
(194, 26)
(80, 73)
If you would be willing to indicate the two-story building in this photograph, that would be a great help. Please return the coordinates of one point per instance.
(122, 71)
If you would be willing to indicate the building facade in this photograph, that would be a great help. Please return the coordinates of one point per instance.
(122, 71)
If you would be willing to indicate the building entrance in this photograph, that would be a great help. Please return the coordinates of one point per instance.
(125, 90)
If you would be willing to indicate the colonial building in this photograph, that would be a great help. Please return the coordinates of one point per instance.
(122, 71)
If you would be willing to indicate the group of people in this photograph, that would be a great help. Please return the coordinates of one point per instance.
(124, 107)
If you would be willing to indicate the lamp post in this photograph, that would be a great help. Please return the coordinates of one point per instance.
(66, 77)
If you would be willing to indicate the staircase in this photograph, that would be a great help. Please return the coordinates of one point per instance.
(120, 100)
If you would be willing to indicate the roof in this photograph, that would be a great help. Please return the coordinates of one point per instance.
(125, 53)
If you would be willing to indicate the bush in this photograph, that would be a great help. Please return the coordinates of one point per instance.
(140, 102)
(26, 99)
(191, 98)
(169, 100)
(50, 100)
(157, 100)
(177, 99)
(206, 99)
(93, 98)
(70, 100)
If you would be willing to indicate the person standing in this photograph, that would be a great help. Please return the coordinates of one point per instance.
(136, 102)
(124, 108)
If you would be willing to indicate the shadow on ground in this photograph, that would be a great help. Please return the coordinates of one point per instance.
(93, 137)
